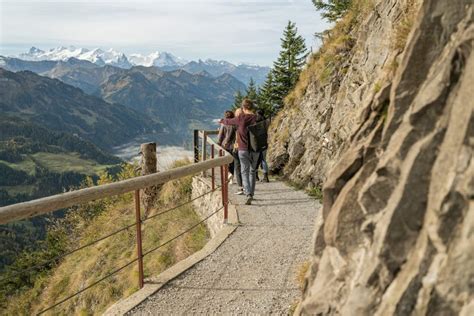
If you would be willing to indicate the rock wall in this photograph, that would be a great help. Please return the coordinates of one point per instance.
(397, 236)
(208, 204)
(307, 139)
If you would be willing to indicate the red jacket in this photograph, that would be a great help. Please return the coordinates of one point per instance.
(242, 122)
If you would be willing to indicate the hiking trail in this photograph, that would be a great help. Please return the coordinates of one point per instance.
(254, 271)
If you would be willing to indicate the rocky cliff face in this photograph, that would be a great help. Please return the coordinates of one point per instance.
(309, 135)
(394, 152)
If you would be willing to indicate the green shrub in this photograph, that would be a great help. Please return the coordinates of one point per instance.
(332, 10)
(316, 193)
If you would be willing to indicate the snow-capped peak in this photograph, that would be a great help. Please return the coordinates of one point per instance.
(158, 59)
(33, 50)
(164, 60)
(97, 55)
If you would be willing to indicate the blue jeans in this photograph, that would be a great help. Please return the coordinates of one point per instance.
(264, 161)
(248, 167)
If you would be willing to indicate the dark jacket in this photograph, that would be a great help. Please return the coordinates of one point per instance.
(226, 138)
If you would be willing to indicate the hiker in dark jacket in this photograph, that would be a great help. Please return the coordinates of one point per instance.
(262, 159)
(226, 139)
(248, 158)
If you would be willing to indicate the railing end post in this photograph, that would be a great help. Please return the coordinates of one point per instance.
(139, 239)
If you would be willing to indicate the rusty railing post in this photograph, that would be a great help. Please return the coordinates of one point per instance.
(196, 145)
(204, 150)
(223, 186)
(213, 175)
(226, 192)
(204, 146)
(139, 238)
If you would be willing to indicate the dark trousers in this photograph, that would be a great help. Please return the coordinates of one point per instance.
(231, 165)
(237, 172)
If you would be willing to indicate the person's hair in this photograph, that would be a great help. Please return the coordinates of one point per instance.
(247, 104)
(229, 114)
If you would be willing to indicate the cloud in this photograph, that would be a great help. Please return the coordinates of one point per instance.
(238, 31)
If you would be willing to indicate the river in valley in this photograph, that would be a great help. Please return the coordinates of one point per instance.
(167, 150)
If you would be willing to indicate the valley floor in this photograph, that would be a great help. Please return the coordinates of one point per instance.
(255, 270)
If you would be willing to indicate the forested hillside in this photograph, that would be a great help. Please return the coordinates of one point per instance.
(36, 162)
(61, 107)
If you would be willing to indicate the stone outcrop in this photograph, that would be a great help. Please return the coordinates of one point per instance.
(398, 215)
(307, 139)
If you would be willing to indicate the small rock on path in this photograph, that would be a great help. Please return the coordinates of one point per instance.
(254, 270)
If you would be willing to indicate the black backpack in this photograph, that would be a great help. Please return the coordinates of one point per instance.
(258, 135)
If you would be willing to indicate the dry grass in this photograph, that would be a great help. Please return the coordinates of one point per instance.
(404, 26)
(300, 279)
(337, 45)
(92, 263)
(293, 307)
(301, 273)
(402, 31)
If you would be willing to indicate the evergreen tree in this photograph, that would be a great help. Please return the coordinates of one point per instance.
(332, 9)
(251, 92)
(291, 60)
(267, 96)
(238, 98)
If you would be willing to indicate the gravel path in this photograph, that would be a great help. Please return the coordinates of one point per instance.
(254, 270)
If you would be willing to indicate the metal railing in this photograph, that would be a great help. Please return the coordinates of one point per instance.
(224, 170)
(56, 202)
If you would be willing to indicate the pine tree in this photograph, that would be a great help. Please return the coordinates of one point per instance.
(251, 92)
(332, 9)
(291, 60)
(238, 98)
(267, 96)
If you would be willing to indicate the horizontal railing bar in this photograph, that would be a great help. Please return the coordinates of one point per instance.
(43, 264)
(56, 202)
(211, 132)
(212, 142)
(129, 263)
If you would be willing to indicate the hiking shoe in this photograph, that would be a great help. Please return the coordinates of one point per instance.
(249, 200)
(240, 192)
(265, 178)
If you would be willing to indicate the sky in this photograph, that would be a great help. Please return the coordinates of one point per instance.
(236, 31)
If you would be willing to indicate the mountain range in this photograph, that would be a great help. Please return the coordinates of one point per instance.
(178, 100)
(163, 60)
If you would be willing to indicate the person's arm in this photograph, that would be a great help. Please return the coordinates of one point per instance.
(231, 121)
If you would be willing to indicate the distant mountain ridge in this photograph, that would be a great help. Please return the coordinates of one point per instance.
(96, 56)
(163, 60)
(178, 99)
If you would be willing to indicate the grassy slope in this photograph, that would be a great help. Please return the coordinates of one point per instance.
(53, 162)
(90, 264)
(69, 162)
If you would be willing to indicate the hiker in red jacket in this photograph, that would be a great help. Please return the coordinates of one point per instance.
(248, 158)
